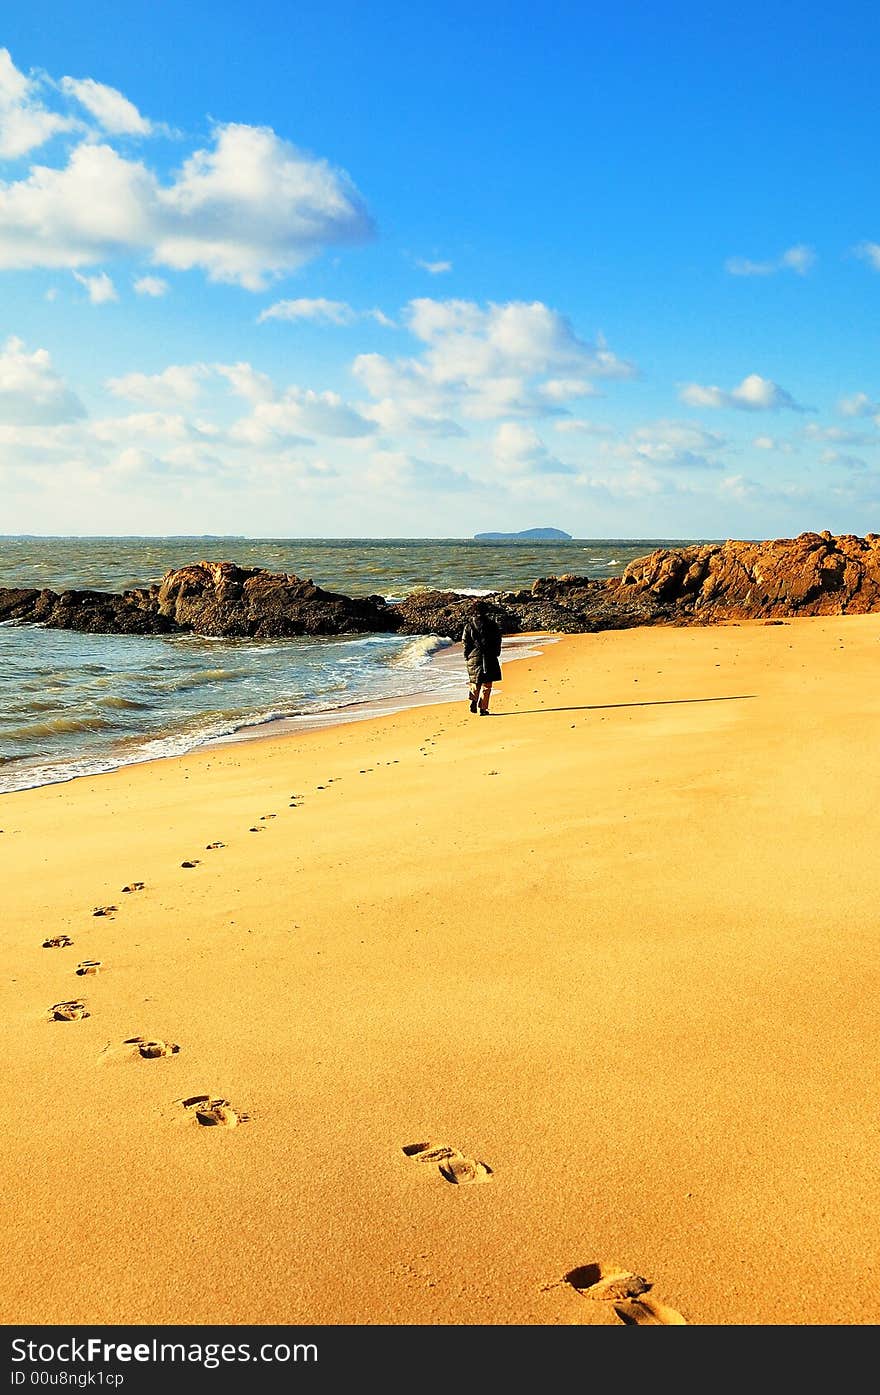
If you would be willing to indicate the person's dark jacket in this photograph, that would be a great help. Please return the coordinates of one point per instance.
(481, 638)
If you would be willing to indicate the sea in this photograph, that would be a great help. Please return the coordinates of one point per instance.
(78, 704)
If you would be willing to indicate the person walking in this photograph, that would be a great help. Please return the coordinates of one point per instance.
(481, 639)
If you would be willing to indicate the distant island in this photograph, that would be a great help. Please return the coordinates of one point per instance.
(528, 535)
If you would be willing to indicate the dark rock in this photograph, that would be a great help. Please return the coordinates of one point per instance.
(435, 612)
(219, 598)
(92, 612)
(208, 598)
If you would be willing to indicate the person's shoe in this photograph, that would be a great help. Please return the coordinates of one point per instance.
(484, 711)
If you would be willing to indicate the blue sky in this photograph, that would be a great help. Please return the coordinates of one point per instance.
(414, 270)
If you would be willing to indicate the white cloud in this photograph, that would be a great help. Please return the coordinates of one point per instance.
(175, 384)
(96, 207)
(434, 268)
(519, 449)
(115, 113)
(320, 311)
(246, 382)
(396, 469)
(738, 487)
(249, 208)
(134, 460)
(253, 207)
(682, 435)
(579, 425)
(487, 363)
(648, 456)
(754, 394)
(844, 460)
(628, 482)
(158, 426)
(25, 123)
(858, 405)
(31, 392)
(799, 259)
(391, 416)
(870, 253)
(515, 339)
(773, 443)
(675, 445)
(567, 389)
(100, 288)
(840, 435)
(150, 285)
(298, 414)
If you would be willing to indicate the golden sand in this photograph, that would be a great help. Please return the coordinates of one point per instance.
(492, 1014)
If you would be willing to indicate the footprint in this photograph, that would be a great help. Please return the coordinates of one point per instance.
(58, 942)
(135, 886)
(648, 1312)
(104, 910)
(464, 1170)
(268, 816)
(151, 1050)
(213, 1113)
(451, 1163)
(193, 863)
(209, 847)
(425, 1152)
(606, 1281)
(218, 1112)
(88, 966)
(71, 1011)
(256, 830)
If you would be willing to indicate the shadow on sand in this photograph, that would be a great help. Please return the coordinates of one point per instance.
(607, 706)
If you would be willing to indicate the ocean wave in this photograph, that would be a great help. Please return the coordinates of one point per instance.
(419, 651)
(201, 677)
(124, 704)
(58, 726)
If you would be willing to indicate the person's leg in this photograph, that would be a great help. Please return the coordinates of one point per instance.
(484, 696)
(473, 696)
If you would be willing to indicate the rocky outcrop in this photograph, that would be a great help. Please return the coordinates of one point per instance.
(814, 574)
(91, 612)
(219, 598)
(207, 598)
(566, 604)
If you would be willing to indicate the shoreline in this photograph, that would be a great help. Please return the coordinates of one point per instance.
(368, 708)
(611, 944)
(440, 660)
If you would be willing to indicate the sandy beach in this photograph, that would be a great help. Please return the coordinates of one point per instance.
(617, 944)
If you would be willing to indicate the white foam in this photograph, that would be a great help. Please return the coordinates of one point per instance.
(419, 651)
